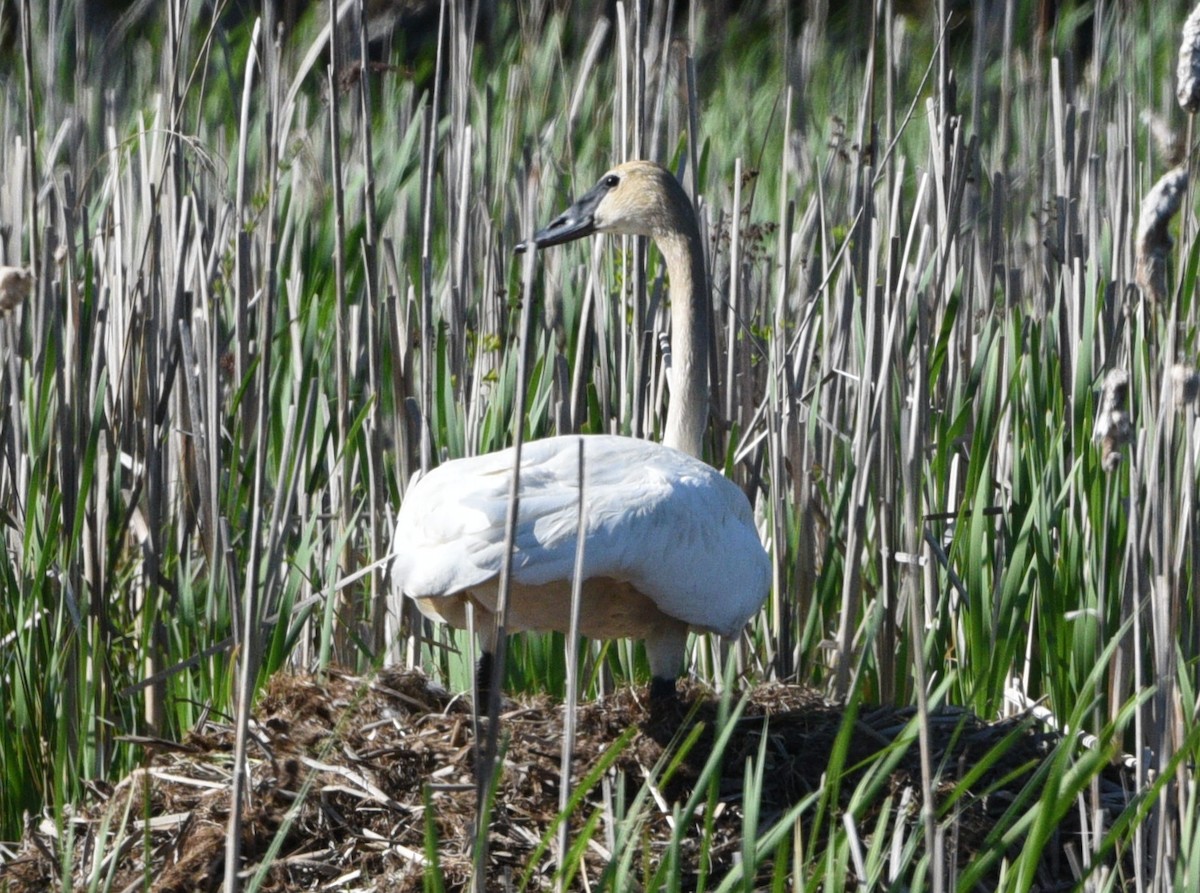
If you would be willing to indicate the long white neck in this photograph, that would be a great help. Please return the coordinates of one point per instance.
(687, 412)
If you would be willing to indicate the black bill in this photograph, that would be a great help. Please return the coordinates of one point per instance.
(577, 221)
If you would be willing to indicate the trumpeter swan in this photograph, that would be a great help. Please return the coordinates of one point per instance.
(670, 544)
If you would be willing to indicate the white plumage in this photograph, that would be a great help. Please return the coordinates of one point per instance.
(670, 544)
(666, 524)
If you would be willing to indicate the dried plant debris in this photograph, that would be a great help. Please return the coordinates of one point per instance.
(1185, 384)
(1188, 73)
(1154, 241)
(351, 774)
(1113, 426)
(15, 285)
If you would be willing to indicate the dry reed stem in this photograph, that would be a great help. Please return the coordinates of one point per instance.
(1187, 89)
(1154, 242)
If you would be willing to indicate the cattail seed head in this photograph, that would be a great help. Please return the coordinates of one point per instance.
(1113, 426)
(1115, 391)
(1154, 241)
(1187, 88)
(1185, 384)
(15, 285)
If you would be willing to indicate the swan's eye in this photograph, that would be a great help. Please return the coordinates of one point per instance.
(611, 180)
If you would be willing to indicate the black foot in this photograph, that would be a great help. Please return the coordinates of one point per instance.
(666, 710)
(662, 691)
(483, 682)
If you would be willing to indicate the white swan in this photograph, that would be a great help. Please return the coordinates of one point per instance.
(670, 543)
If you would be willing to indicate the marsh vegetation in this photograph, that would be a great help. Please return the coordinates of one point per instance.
(952, 364)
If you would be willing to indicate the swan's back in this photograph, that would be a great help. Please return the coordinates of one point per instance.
(663, 522)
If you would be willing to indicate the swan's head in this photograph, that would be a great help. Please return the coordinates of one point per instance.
(638, 198)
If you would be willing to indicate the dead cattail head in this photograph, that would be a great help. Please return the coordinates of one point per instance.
(1167, 141)
(1185, 385)
(1114, 393)
(1154, 241)
(1188, 74)
(15, 285)
(1113, 426)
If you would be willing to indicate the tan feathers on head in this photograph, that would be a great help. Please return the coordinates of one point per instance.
(647, 200)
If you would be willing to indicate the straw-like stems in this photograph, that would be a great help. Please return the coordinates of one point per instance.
(960, 277)
(568, 735)
(487, 754)
(251, 646)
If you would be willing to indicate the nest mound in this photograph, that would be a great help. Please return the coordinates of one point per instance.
(350, 775)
